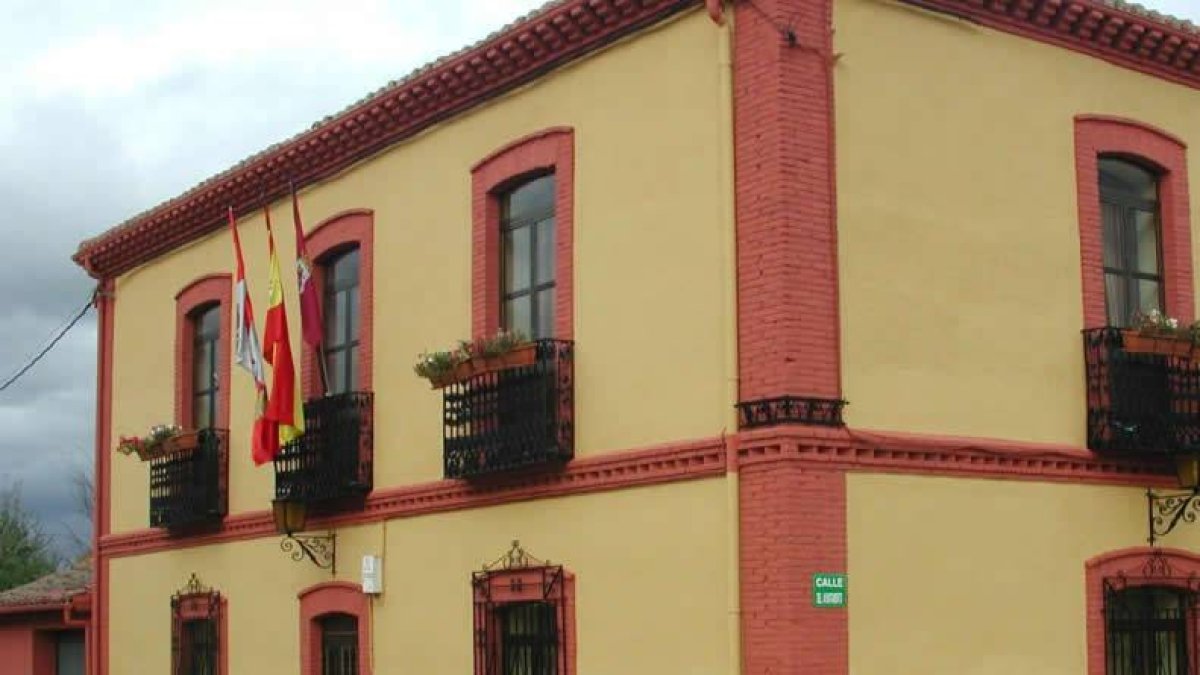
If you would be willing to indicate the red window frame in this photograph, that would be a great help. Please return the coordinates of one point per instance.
(1140, 566)
(334, 597)
(209, 289)
(494, 590)
(1099, 135)
(548, 150)
(337, 233)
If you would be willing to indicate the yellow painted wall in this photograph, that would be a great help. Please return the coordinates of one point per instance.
(979, 577)
(659, 546)
(650, 323)
(957, 224)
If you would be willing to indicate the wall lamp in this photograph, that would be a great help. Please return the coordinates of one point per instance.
(291, 516)
(1167, 509)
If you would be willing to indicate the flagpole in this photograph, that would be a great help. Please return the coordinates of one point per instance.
(324, 368)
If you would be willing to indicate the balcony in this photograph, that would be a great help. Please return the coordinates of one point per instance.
(189, 488)
(1139, 404)
(333, 459)
(512, 419)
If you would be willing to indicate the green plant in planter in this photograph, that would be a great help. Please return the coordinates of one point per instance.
(438, 367)
(435, 366)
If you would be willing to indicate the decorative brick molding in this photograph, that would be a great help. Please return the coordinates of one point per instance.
(788, 327)
(793, 524)
(1137, 40)
(354, 228)
(554, 36)
(333, 597)
(214, 288)
(1132, 567)
(549, 150)
(1097, 135)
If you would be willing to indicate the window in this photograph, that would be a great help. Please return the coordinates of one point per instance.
(1135, 239)
(341, 248)
(339, 644)
(68, 653)
(334, 630)
(524, 617)
(528, 258)
(1148, 630)
(206, 336)
(522, 237)
(341, 305)
(202, 349)
(1133, 279)
(197, 631)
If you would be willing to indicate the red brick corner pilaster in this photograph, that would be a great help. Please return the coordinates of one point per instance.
(788, 331)
(1139, 566)
(333, 597)
(551, 149)
(214, 288)
(341, 231)
(793, 524)
(1097, 135)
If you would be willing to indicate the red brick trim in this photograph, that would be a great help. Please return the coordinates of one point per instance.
(787, 279)
(1097, 135)
(97, 639)
(793, 524)
(528, 49)
(347, 229)
(1131, 563)
(503, 587)
(551, 149)
(199, 606)
(333, 597)
(214, 288)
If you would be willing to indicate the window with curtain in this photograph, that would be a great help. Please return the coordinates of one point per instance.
(339, 645)
(528, 638)
(527, 264)
(1129, 204)
(1149, 631)
(341, 308)
(206, 335)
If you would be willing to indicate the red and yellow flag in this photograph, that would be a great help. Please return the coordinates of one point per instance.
(285, 406)
(247, 353)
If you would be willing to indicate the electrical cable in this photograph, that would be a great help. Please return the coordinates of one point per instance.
(45, 350)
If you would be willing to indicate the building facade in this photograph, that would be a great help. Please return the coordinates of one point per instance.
(723, 222)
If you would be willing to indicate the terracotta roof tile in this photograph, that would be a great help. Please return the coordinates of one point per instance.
(53, 588)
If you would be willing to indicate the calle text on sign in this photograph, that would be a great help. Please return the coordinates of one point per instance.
(829, 589)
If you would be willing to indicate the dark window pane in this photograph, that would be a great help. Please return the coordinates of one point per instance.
(1148, 296)
(530, 201)
(202, 411)
(68, 653)
(1121, 176)
(343, 271)
(339, 645)
(335, 319)
(1114, 287)
(545, 314)
(1145, 231)
(208, 322)
(518, 315)
(336, 360)
(1146, 630)
(545, 252)
(517, 272)
(1111, 216)
(202, 366)
(529, 638)
(352, 319)
(199, 637)
(352, 369)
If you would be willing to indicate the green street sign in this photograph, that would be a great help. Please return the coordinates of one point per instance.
(829, 589)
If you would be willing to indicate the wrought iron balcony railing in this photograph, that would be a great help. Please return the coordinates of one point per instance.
(1147, 404)
(189, 488)
(333, 459)
(512, 419)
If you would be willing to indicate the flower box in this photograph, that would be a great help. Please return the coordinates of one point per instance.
(482, 355)
(1136, 342)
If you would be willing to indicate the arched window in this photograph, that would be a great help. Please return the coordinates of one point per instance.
(1129, 203)
(528, 257)
(341, 277)
(1148, 630)
(206, 384)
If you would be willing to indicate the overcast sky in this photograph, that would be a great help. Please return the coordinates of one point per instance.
(111, 107)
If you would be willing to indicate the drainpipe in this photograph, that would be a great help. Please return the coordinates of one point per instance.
(727, 223)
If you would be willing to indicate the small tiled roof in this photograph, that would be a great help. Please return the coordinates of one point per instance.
(52, 589)
(1159, 17)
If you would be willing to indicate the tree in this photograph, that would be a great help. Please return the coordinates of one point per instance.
(25, 552)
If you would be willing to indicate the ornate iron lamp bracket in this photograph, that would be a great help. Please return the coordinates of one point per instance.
(1166, 510)
(320, 549)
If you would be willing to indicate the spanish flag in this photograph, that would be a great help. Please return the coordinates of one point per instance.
(285, 406)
